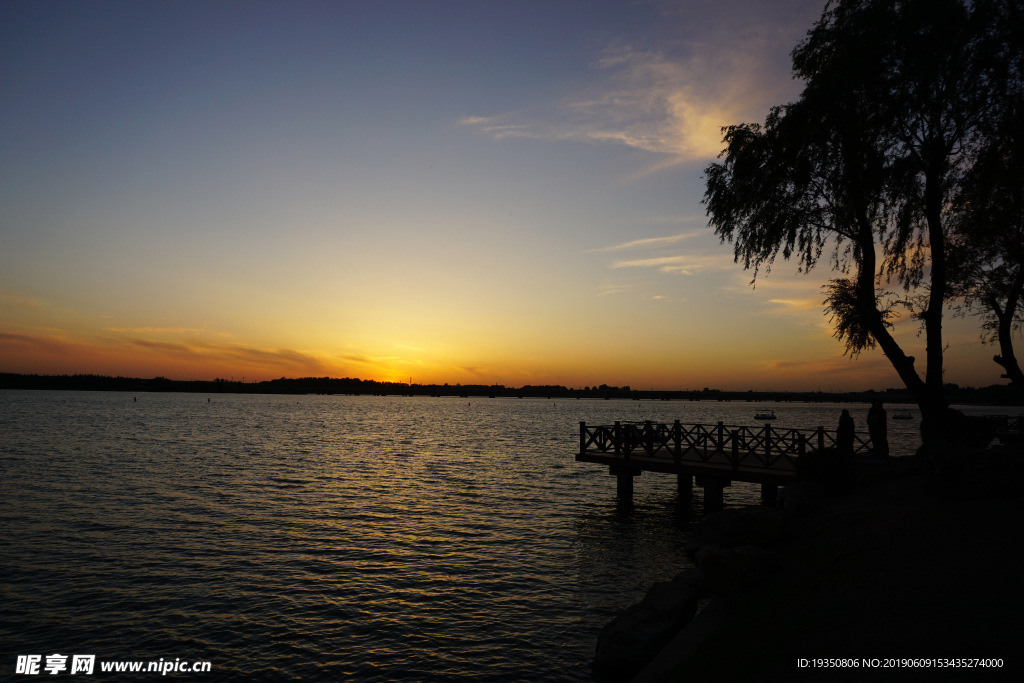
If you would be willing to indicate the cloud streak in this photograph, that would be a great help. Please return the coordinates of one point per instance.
(168, 348)
(202, 353)
(17, 301)
(831, 371)
(49, 345)
(607, 288)
(674, 100)
(796, 305)
(155, 330)
(648, 242)
(685, 264)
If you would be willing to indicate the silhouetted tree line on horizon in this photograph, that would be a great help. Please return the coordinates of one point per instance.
(996, 394)
(901, 164)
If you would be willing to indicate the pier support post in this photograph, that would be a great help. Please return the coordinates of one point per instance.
(624, 480)
(624, 486)
(769, 494)
(685, 485)
(713, 491)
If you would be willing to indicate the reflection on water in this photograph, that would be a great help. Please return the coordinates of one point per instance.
(325, 537)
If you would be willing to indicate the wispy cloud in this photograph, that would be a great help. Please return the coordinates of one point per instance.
(678, 219)
(672, 101)
(835, 372)
(50, 345)
(17, 301)
(686, 264)
(648, 242)
(155, 330)
(796, 305)
(607, 288)
(790, 285)
(499, 127)
(234, 354)
(169, 348)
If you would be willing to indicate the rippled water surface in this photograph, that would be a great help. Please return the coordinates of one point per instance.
(334, 537)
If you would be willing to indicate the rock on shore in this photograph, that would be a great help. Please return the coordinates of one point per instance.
(725, 549)
(632, 639)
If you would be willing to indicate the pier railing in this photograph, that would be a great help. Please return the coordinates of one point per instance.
(1006, 423)
(763, 447)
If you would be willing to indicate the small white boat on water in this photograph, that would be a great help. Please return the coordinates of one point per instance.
(765, 415)
(903, 415)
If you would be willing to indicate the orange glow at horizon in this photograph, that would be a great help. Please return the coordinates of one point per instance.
(640, 364)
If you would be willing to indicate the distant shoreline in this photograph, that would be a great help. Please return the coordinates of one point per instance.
(996, 394)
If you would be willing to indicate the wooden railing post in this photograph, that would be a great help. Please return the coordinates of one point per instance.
(677, 434)
(801, 445)
(821, 439)
(767, 444)
(735, 449)
(617, 436)
(583, 437)
(721, 429)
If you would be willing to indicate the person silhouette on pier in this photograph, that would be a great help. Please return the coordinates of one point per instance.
(878, 429)
(841, 476)
(844, 435)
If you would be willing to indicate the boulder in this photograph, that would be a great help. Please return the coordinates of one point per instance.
(800, 497)
(695, 580)
(734, 570)
(957, 429)
(632, 639)
(752, 525)
(709, 621)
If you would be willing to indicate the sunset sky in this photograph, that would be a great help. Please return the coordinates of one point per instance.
(473, 192)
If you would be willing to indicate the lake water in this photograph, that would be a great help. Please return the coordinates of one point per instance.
(336, 537)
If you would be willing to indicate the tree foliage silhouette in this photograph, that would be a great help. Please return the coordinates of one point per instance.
(897, 103)
(988, 239)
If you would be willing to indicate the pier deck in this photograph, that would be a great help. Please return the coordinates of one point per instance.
(716, 454)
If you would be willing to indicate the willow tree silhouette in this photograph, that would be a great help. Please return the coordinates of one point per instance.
(862, 169)
(988, 239)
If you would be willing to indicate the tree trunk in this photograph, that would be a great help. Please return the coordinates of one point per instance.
(1006, 358)
(931, 401)
(937, 290)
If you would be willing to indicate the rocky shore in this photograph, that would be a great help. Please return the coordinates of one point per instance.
(918, 563)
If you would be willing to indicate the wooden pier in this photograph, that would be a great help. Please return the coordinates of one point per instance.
(1009, 429)
(716, 455)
